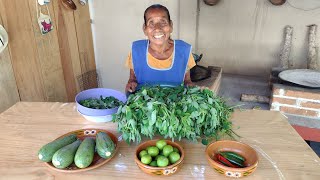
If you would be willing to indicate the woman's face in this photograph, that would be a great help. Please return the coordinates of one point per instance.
(157, 27)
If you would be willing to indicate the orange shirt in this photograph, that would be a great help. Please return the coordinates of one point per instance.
(160, 64)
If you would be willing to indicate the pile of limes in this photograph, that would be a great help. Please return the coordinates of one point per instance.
(161, 155)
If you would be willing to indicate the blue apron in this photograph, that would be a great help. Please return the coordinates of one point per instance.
(149, 76)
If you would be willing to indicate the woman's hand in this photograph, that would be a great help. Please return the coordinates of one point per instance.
(189, 83)
(131, 86)
(132, 82)
(187, 80)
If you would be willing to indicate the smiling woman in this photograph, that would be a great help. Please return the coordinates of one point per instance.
(159, 59)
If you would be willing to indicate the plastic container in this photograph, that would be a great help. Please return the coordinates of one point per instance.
(98, 115)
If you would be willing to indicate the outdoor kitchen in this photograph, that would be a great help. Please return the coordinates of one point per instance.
(174, 89)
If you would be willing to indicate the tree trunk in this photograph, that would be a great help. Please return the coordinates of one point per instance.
(313, 50)
(285, 52)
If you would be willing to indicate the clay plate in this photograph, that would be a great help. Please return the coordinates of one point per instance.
(97, 160)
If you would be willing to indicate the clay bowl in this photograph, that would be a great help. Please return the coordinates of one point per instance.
(250, 155)
(277, 2)
(159, 171)
(211, 2)
(69, 4)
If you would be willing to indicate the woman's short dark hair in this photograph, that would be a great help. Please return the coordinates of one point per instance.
(156, 6)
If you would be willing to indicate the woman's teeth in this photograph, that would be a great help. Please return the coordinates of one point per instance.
(158, 36)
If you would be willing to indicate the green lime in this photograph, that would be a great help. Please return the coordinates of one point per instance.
(161, 143)
(156, 158)
(167, 149)
(148, 147)
(153, 163)
(146, 159)
(153, 151)
(143, 152)
(176, 150)
(174, 157)
(162, 161)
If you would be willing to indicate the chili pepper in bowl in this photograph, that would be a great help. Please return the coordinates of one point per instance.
(234, 158)
(225, 162)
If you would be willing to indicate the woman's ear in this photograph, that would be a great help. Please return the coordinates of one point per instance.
(171, 25)
(144, 29)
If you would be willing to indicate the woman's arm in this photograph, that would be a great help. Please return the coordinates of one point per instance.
(132, 82)
(187, 79)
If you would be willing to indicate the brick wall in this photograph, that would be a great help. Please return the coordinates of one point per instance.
(295, 100)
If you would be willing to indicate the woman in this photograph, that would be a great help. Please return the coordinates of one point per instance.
(159, 60)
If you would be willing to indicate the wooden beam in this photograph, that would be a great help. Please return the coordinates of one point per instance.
(23, 50)
(84, 35)
(68, 44)
(8, 86)
(48, 56)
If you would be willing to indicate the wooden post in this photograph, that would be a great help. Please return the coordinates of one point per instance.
(313, 50)
(285, 52)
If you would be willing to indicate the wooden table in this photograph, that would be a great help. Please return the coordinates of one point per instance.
(27, 126)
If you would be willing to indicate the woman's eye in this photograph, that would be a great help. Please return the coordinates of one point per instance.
(159, 24)
(163, 24)
(151, 24)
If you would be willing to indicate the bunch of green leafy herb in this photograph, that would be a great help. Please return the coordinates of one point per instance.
(102, 103)
(175, 113)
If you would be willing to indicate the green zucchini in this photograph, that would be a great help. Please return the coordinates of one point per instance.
(64, 156)
(85, 153)
(46, 152)
(104, 145)
(233, 154)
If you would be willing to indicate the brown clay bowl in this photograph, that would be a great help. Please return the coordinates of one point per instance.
(97, 160)
(159, 171)
(250, 155)
(69, 4)
(277, 2)
(211, 2)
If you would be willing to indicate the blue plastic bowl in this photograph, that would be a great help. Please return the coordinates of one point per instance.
(96, 93)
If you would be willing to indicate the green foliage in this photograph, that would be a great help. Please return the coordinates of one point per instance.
(102, 103)
(174, 113)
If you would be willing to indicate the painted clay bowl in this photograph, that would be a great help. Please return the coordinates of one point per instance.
(159, 171)
(244, 150)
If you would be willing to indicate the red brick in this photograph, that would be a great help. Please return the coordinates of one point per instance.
(301, 94)
(292, 110)
(275, 91)
(310, 105)
(284, 101)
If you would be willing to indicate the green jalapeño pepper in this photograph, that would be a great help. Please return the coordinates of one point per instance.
(233, 158)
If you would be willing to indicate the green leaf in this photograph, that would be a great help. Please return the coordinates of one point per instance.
(153, 117)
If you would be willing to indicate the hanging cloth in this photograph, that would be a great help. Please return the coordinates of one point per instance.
(44, 21)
